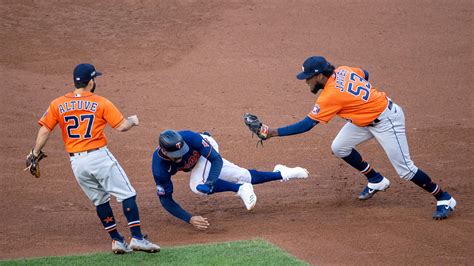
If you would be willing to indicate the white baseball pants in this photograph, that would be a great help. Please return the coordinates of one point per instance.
(100, 175)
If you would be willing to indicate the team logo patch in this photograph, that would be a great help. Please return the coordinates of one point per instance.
(160, 190)
(204, 143)
(179, 145)
(316, 109)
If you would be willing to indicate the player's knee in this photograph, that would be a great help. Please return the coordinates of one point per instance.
(340, 150)
(100, 200)
(193, 185)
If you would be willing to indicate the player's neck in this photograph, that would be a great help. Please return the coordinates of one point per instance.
(81, 90)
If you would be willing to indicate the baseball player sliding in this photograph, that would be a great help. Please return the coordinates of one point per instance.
(82, 116)
(198, 153)
(347, 92)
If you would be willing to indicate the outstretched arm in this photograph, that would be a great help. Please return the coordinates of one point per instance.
(172, 207)
(128, 123)
(297, 128)
(265, 132)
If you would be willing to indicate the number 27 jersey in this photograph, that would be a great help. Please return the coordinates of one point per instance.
(349, 95)
(82, 119)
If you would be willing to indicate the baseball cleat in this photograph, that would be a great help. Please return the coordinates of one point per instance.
(120, 247)
(143, 245)
(288, 173)
(247, 195)
(444, 207)
(372, 188)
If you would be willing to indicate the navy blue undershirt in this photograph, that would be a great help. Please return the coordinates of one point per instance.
(172, 207)
(297, 128)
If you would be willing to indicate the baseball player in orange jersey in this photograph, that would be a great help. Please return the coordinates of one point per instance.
(347, 92)
(82, 116)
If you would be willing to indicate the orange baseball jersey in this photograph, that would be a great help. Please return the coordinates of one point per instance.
(82, 119)
(350, 96)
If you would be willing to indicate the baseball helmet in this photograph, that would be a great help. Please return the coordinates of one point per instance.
(173, 143)
(314, 65)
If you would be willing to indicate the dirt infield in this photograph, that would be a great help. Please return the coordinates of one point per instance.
(200, 65)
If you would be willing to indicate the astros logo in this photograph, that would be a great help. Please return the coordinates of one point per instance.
(179, 145)
(316, 109)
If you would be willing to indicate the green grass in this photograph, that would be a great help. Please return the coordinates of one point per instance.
(253, 252)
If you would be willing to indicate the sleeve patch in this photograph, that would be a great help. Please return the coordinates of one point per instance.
(160, 190)
(316, 109)
(204, 143)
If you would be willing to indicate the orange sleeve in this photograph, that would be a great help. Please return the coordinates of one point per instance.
(324, 110)
(50, 117)
(112, 114)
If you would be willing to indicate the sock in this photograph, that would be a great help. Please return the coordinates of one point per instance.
(262, 177)
(130, 209)
(222, 185)
(422, 180)
(106, 216)
(356, 161)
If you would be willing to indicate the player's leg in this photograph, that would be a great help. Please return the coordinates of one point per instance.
(280, 172)
(95, 192)
(343, 146)
(391, 135)
(115, 181)
(228, 180)
(200, 173)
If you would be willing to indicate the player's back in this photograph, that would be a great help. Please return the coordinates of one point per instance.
(82, 118)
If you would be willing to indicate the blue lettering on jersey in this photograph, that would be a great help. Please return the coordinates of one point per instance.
(78, 105)
(340, 77)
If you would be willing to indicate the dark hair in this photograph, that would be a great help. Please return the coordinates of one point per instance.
(79, 85)
(329, 70)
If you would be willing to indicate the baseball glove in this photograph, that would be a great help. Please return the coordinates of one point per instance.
(256, 126)
(32, 163)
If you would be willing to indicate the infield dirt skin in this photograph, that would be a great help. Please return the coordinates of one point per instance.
(201, 65)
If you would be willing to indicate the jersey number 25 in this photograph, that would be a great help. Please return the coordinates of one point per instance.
(361, 88)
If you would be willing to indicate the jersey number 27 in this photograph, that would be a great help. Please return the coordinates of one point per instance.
(361, 88)
(75, 124)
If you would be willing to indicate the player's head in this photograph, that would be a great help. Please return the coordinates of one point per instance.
(84, 75)
(316, 71)
(172, 144)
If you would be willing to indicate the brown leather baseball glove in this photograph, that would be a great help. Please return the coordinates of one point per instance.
(32, 163)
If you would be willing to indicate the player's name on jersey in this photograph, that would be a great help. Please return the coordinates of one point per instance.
(340, 77)
(77, 105)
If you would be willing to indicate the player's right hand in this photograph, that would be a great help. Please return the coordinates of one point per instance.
(199, 222)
